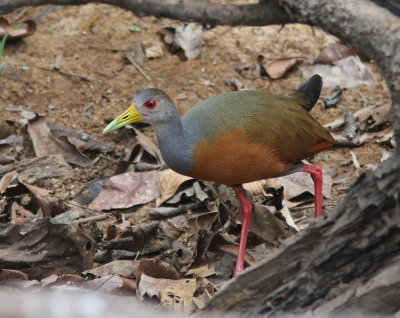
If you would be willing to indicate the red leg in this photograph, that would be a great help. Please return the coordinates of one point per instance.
(246, 209)
(316, 174)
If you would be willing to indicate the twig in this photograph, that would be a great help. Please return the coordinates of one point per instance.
(94, 47)
(130, 59)
(68, 74)
(355, 161)
(82, 207)
(93, 218)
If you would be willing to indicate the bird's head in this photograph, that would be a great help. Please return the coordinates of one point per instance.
(150, 105)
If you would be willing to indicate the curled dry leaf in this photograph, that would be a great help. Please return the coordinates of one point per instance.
(12, 274)
(45, 144)
(12, 187)
(126, 190)
(169, 183)
(148, 144)
(157, 269)
(203, 271)
(279, 67)
(299, 183)
(81, 140)
(27, 28)
(20, 214)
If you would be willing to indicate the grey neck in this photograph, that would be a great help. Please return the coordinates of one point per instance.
(175, 146)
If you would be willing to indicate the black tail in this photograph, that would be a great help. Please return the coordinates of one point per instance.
(311, 91)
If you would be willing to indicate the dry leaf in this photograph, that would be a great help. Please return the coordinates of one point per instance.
(189, 37)
(59, 280)
(116, 230)
(81, 140)
(27, 28)
(234, 250)
(126, 268)
(111, 284)
(156, 269)
(153, 50)
(126, 190)
(173, 294)
(279, 67)
(345, 73)
(179, 296)
(169, 184)
(58, 246)
(12, 274)
(36, 170)
(203, 271)
(337, 52)
(45, 144)
(299, 183)
(20, 215)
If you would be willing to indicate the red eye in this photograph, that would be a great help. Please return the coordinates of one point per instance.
(150, 104)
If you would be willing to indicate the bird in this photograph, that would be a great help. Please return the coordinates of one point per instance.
(235, 138)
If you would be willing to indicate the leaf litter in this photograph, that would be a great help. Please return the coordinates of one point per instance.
(60, 177)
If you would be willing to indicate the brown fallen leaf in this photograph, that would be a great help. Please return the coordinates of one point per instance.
(338, 51)
(157, 269)
(148, 144)
(45, 144)
(169, 183)
(69, 248)
(37, 170)
(13, 32)
(173, 294)
(12, 274)
(279, 67)
(203, 271)
(373, 118)
(111, 284)
(116, 230)
(20, 215)
(12, 187)
(81, 140)
(299, 183)
(234, 250)
(126, 268)
(126, 190)
(6, 180)
(59, 280)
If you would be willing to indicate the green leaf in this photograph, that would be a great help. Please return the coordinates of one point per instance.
(135, 29)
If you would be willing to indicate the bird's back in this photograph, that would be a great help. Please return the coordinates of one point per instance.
(244, 136)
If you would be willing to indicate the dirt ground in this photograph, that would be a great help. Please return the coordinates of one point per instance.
(95, 82)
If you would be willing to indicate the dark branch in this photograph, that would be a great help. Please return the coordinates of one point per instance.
(204, 12)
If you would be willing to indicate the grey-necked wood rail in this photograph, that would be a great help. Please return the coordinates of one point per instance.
(236, 137)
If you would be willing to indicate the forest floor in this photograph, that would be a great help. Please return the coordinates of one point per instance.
(75, 72)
